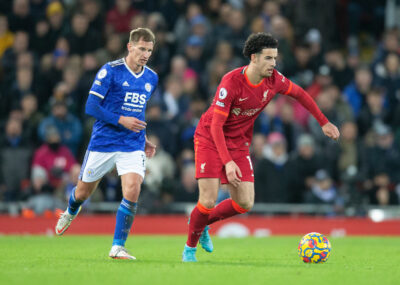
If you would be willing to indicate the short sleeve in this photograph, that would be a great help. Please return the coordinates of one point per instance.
(224, 96)
(102, 82)
(282, 84)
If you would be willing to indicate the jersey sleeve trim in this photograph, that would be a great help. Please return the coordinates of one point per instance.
(289, 89)
(221, 112)
(96, 94)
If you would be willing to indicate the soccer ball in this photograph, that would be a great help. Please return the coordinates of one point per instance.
(314, 248)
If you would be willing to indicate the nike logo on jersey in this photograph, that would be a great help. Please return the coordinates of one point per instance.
(125, 83)
(242, 99)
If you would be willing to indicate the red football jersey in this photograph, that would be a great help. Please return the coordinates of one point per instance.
(241, 101)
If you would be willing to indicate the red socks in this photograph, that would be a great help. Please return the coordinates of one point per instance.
(224, 210)
(198, 220)
(202, 216)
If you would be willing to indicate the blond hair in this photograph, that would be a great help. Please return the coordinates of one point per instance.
(144, 34)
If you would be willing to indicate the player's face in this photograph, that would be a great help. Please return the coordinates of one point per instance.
(140, 52)
(266, 61)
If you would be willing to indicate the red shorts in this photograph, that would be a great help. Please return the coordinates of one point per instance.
(209, 164)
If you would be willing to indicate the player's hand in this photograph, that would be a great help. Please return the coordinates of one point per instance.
(331, 131)
(150, 149)
(233, 173)
(132, 123)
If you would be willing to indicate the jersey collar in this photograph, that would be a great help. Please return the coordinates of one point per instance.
(248, 81)
(137, 75)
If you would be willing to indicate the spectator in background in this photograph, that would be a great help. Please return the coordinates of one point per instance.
(20, 18)
(341, 73)
(41, 38)
(194, 53)
(68, 126)
(388, 77)
(373, 112)
(237, 31)
(42, 198)
(382, 192)
(92, 10)
(55, 16)
(323, 191)
(81, 39)
(161, 127)
(6, 36)
(272, 176)
(15, 155)
(384, 157)
(112, 50)
(160, 171)
(182, 28)
(176, 104)
(9, 59)
(355, 92)
(304, 163)
(32, 117)
(118, 18)
(186, 189)
(54, 157)
(256, 149)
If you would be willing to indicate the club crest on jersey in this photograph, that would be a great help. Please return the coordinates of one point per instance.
(147, 86)
(222, 93)
(202, 166)
(265, 96)
(102, 73)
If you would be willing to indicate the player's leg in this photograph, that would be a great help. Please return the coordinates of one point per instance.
(131, 167)
(74, 204)
(94, 167)
(208, 193)
(242, 198)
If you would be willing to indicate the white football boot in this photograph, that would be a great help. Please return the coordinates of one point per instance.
(65, 221)
(120, 252)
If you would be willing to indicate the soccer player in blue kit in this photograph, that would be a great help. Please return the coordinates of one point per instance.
(117, 99)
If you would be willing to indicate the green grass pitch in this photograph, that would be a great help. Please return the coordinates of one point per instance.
(83, 260)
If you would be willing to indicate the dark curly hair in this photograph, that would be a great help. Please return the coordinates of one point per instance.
(255, 43)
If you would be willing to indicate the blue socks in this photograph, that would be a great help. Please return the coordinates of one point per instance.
(125, 215)
(73, 204)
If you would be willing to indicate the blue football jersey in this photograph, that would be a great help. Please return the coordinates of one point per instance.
(125, 93)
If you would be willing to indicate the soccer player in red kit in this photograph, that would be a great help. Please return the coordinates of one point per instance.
(224, 133)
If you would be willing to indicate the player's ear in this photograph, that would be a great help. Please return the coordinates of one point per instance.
(253, 57)
(129, 46)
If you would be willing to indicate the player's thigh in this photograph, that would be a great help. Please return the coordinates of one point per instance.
(243, 194)
(243, 161)
(131, 185)
(207, 161)
(131, 162)
(208, 191)
(131, 167)
(95, 165)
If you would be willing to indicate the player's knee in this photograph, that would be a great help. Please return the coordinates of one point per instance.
(247, 205)
(208, 203)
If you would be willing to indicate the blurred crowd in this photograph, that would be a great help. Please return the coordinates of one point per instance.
(345, 53)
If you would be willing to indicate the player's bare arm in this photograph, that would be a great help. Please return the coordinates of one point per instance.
(132, 123)
(331, 131)
(150, 148)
